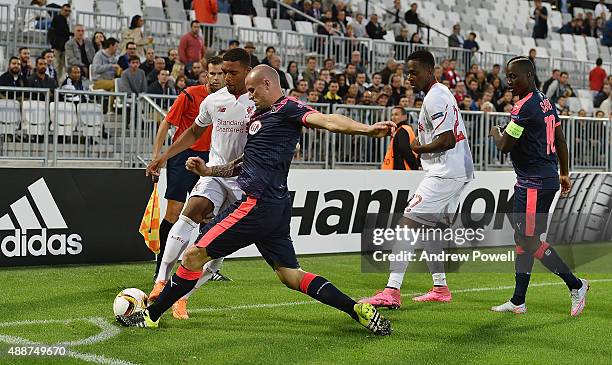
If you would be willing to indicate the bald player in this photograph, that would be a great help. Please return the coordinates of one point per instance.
(536, 143)
(262, 217)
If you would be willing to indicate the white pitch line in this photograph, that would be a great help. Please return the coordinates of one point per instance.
(289, 304)
(108, 331)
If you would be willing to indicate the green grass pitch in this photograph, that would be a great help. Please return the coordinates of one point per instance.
(255, 319)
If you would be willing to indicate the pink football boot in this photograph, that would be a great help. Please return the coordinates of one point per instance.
(436, 294)
(388, 298)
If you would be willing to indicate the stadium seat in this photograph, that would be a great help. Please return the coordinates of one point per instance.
(245, 35)
(283, 24)
(10, 116)
(574, 104)
(91, 116)
(154, 12)
(83, 5)
(262, 23)
(107, 7)
(151, 3)
(131, 8)
(304, 27)
(223, 19)
(586, 104)
(35, 119)
(63, 118)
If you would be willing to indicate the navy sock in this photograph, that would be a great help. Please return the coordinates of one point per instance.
(164, 231)
(523, 266)
(553, 262)
(180, 284)
(325, 292)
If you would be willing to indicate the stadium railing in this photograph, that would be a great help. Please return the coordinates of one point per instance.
(164, 32)
(31, 26)
(6, 27)
(111, 25)
(314, 145)
(152, 110)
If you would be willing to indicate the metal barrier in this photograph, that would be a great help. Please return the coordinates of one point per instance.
(6, 25)
(298, 47)
(31, 26)
(109, 24)
(152, 110)
(343, 47)
(359, 151)
(314, 145)
(493, 157)
(589, 143)
(24, 124)
(165, 32)
(217, 36)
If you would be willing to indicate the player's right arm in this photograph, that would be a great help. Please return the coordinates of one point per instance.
(198, 166)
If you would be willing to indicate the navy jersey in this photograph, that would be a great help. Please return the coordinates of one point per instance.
(534, 157)
(273, 136)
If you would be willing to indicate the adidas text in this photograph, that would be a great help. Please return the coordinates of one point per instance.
(22, 244)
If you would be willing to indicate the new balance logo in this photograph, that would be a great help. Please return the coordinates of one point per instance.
(20, 243)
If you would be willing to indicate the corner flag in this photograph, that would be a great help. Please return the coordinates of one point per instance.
(149, 226)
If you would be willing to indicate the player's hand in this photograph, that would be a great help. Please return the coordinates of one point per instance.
(415, 145)
(494, 131)
(381, 129)
(566, 185)
(197, 166)
(154, 166)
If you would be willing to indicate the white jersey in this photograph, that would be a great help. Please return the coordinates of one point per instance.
(229, 117)
(440, 114)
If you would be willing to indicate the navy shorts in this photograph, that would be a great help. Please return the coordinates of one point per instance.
(249, 221)
(531, 208)
(179, 180)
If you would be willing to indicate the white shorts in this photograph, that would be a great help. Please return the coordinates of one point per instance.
(435, 201)
(220, 191)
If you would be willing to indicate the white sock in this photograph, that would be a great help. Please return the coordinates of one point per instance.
(439, 279)
(178, 240)
(398, 268)
(396, 279)
(210, 268)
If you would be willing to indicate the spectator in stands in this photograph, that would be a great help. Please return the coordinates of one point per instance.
(532, 57)
(560, 87)
(382, 100)
(74, 81)
(398, 90)
(37, 18)
(412, 17)
(314, 97)
(310, 74)
(601, 10)
(193, 74)
(376, 85)
(505, 100)
(293, 73)
(487, 107)
(470, 43)
(351, 74)
(568, 28)
(473, 89)
(171, 59)
(393, 17)
(302, 88)
(133, 80)
(12, 77)
(124, 60)
(315, 12)
(606, 105)
(149, 63)
(555, 76)
(403, 36)
(104, 66)
(561, 104)
(606, 40)
(374, 29)
(134, 35)
(233, 44)
(160, 64)
(450, 74)
(341, 78)
(466, 103)
(416, 38)
(460, 92)
(40, 79)
(162, 86)
(271, 51)
(456, 39)
(498, 90)
(26, 62)
(80, 51)
(600, 114)
(59, 33)
(191, 45)
(181, 83)
(276, 64)
(597, 76)
(206, 13)
(578, 27)
(249, 47)
(321, 87)
(243, 7)
(389, 70)
(49, 57)
(540, 16)
(602, 95)
(342, 22)
(366, 98)
(332, 96)
(98, 41)
(357, 61)
(359, 29)
(360, 81)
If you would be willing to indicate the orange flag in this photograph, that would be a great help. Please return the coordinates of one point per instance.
(149, 226)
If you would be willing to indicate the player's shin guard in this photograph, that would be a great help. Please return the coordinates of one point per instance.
(325, 292)
(398, 268)
(178, 240)
(523, 266)
(210, 268)
(180, 284)
(436, 267)
(164, 229)
(549, 257)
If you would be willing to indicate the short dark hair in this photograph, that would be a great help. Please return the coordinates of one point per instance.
(555, 70)
(193, 22)
(129, 44)
(333, 82)
(13, 58)
(45, 52)
(524, 63)
(215, 60)
(109, 42)
(134, 58)
(22, 48)
(40, 58)
(270, 48)
(496, 65)
(564, 73)
(599, 61)
(66, 5)
(423, 57)
(311, 58)
(238, 55)
(402, 110)
(75, 67)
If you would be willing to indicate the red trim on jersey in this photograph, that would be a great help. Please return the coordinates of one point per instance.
(443, 119)
(227, 222)
(305, 282)
(187, 274)
(306, 115)
(532, 200)
(519, 104)
(540, 251)
(557, 124)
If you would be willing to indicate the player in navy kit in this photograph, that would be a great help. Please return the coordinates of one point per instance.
(263, 215)
(535, 140)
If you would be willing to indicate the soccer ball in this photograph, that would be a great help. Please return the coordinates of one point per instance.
(129, 301)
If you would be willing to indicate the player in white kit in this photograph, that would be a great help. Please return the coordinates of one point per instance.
(446, 157)
(228, 110)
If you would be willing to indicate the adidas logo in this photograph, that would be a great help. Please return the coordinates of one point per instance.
(21, 242)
